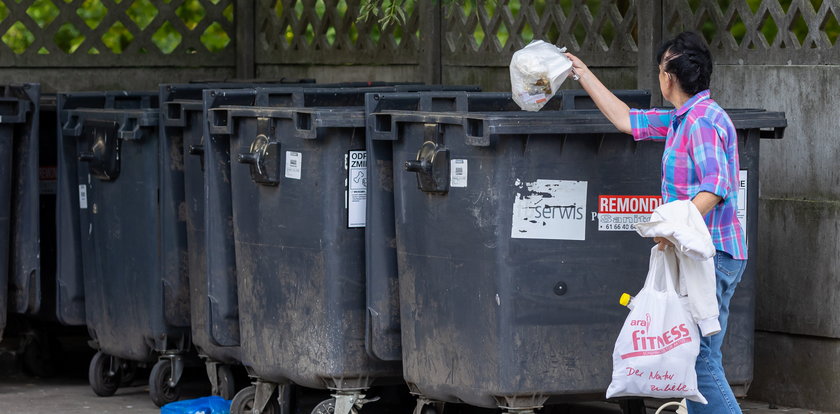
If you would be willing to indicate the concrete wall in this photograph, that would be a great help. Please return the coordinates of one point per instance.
(491, 79)
(798, 290)
(332, 74)
(101, 79)
(498, 79)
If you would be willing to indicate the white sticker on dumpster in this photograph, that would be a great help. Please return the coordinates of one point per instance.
(293, 164)
(82, 196)
(742, 199)
(458, 173)
(549, 209)
(357, 189)
(622, 212)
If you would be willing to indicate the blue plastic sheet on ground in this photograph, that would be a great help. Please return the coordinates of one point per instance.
(204, 405)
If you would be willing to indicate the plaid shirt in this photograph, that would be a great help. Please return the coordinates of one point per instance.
(701, 154)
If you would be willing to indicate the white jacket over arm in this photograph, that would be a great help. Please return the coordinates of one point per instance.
(682, 224)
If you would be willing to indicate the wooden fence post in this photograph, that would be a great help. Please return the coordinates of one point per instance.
(245, 39)
(431, 37)
(650, 36)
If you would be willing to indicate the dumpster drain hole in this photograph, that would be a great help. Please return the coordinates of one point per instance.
(560, 289)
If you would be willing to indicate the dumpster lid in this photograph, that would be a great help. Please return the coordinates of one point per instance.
(130, 121)
(13, 110)
(480, 126)
(111, 99)
(306, 120)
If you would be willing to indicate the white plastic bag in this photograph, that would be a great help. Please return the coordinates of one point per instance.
(657, 348)
(536, 71)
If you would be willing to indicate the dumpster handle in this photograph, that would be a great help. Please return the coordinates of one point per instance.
(196, 149)
(454, 102)
(267, 97)
(382, 123)
(129, 129)
(174, 114)
(221, 121)
(18, 110)
(73, 127)
(304, 125)
(775, 133)
(476, 133)
(87, 156)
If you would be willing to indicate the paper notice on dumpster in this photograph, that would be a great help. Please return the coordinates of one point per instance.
(356, 188)
(293, 164)
(742, 199)
(458, 173)
(622, 212)
(82, 196)
(549, 209)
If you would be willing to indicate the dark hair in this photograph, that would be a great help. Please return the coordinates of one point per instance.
(691, 62)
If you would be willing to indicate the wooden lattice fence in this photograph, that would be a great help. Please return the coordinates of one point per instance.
(103, 33)
(248, 34)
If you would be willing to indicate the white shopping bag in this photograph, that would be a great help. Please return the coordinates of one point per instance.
(657, 348)
(536, 72)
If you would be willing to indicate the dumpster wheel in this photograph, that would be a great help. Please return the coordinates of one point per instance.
(40, 354)
(161, 390)
(325, 407)
(243, 402)
(226, 383)
(104, 374)
(128, 371)
(632, 406)
(429, 409)
(328, 407)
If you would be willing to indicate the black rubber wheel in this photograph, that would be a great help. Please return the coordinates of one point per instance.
(160, 391)
(227, 384)
(325, 407)
(633, 406)
(128, 371)
(103, 385)
(40, 356)
(429, 409)
(243, 402)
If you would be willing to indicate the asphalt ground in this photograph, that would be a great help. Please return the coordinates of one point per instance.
(68, 392)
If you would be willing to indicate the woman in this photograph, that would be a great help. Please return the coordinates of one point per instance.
(700, 163)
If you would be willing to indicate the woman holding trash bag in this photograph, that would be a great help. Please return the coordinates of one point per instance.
(700, 163)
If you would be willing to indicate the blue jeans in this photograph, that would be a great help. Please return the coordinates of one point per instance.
(711, 380)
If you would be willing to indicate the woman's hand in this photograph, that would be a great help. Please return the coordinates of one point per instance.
(613, 108)
(578, 67)
(662, 242)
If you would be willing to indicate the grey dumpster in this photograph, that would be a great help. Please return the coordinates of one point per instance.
(132, 238)
(514, 239)
(215, 333)
(183, 128)
(18, 200)
(25, 283)
(41, 328)
(383, 317)
(298, 246)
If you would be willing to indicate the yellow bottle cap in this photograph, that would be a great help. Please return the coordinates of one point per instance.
(625, 299)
